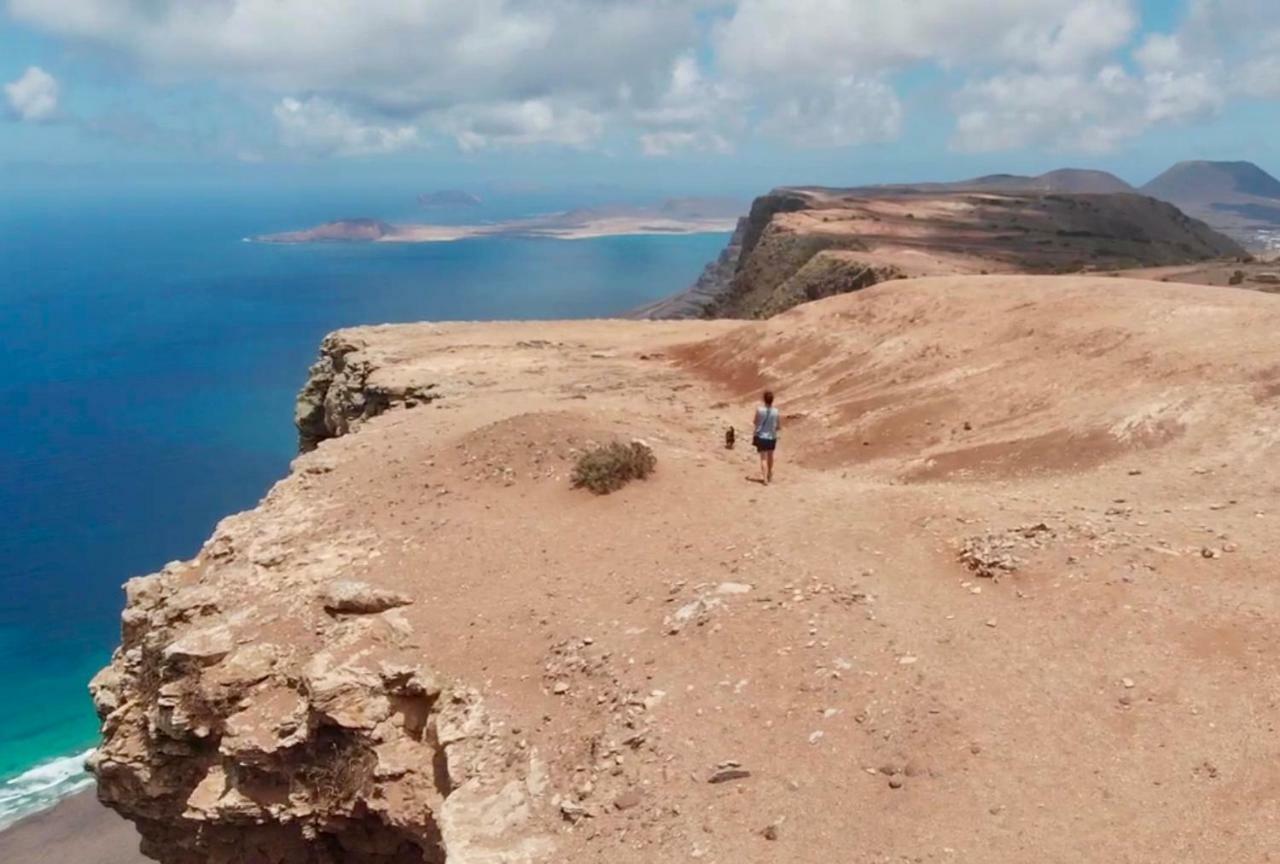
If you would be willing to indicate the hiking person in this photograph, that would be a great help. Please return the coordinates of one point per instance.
(765, 438)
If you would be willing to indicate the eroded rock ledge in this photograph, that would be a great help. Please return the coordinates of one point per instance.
(342, 391)
(303, 730)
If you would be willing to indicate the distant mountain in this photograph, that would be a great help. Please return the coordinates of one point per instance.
(1080, 181)
(449, 198)
(1213, 182)
(1238, 198)
(1068, 181)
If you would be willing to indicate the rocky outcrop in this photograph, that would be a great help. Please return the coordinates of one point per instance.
(700, 298)
(824, 275)
(340, 392)
(262, 708)
(802, 244)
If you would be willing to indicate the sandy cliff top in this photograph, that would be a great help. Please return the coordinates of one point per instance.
(424, 639)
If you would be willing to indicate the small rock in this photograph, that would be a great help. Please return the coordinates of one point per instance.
(1207, 552)
(348, 597)
(724, 775)
(770, 832)
(627, 800)
(1128, 683)
(560, 688)
(896, 781)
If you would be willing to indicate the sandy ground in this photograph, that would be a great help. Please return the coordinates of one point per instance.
(1010, 599)
(77, 831)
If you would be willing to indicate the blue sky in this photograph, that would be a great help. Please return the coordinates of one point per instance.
(678, 93)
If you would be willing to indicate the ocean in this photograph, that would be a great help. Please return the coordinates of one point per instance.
(149, 358)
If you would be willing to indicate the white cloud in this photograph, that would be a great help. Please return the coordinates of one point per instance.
(821, 69)
(671, 142)
(1091, 113)
(33, 97)
(317, 126)
(693, 113)
(813, 39)
(849, 111)
(515, 124)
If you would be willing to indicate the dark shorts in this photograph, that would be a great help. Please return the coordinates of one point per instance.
(764, 445)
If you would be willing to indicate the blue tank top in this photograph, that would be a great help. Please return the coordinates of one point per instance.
(767, 423)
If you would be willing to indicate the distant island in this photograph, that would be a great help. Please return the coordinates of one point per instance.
(673, 216)
(449, 198)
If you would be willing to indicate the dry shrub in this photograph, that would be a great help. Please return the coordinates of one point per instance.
(609, 467)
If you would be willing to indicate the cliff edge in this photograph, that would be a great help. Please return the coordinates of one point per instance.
(805, 243)
(1021, 525)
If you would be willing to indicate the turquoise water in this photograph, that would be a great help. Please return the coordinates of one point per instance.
(148, 363)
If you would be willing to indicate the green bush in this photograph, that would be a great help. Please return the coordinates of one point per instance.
(609, 467)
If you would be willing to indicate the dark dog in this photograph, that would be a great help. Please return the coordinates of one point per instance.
(729, 437)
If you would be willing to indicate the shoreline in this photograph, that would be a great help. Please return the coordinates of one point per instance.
(43, 786)
(552, 228)
(78, 828)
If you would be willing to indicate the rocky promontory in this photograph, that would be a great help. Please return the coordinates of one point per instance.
(1022, 526)
(805, 243)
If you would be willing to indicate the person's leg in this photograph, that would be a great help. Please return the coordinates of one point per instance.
(764, 465)
(768, 477)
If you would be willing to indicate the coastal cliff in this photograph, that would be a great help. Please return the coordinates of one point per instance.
(264, 707)
(807, 243)
(343, 390)
(424, 645)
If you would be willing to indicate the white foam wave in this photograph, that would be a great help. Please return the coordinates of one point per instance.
(42, 787)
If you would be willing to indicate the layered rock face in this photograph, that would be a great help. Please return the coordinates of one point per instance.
(261, 708)
(804, 244)
(342, 391)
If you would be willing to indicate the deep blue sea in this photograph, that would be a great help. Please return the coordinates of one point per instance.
(148, 362)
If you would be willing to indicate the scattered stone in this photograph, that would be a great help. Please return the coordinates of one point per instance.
(560, 688)
(572, 811)
(627, 800)
(1208, 552)
(208, 645)
(1128, 683)
(347, 597)
(725, 775)
(770, 832)
(896, 781)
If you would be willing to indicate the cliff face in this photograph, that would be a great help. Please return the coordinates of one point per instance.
(262, 707)
(804, 244)
(342, 392)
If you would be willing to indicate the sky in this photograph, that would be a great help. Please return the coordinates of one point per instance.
(704, 94)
